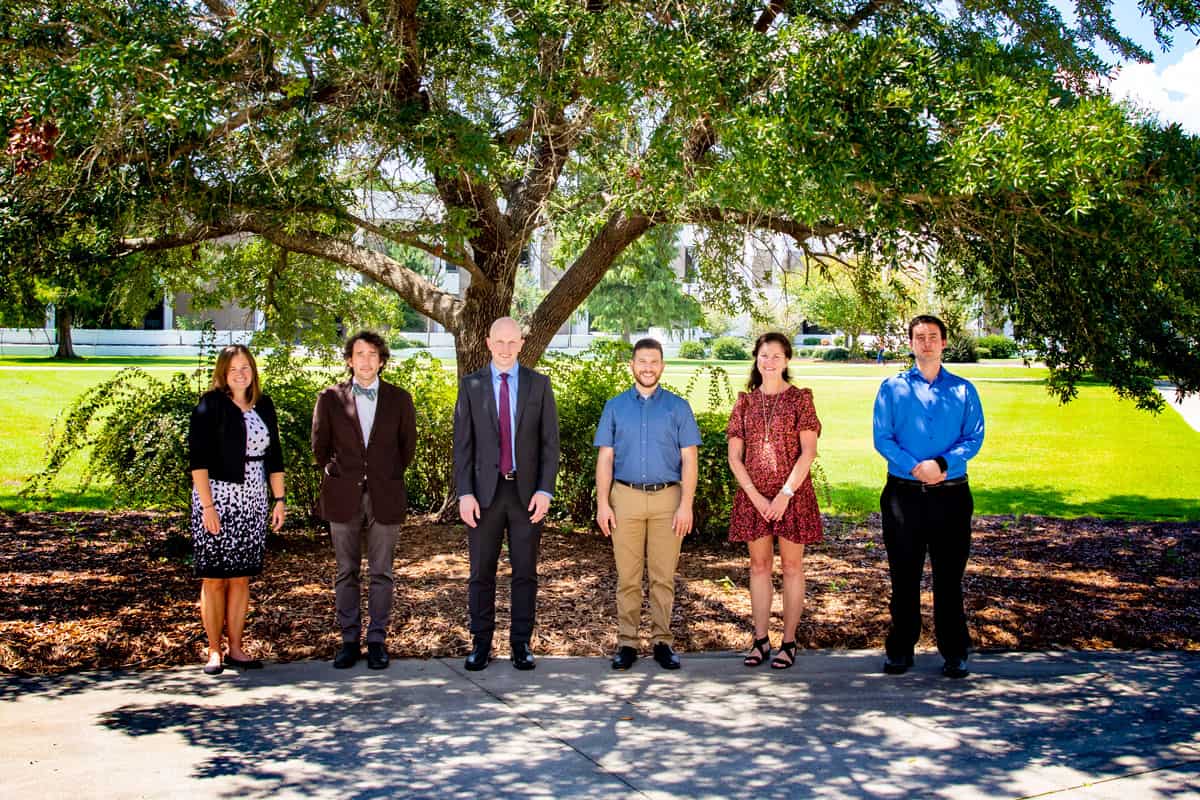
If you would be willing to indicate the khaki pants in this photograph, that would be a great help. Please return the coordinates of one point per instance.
(644, 539)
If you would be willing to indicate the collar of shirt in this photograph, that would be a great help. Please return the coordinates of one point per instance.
(914, 373)
(511, 372)
(655, 395)
(374, 385)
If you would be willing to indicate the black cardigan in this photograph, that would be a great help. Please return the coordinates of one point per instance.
(217, 437)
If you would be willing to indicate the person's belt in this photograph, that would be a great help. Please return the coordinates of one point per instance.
(509, 476)
(648, 487)
(256, 458)
(905, 483)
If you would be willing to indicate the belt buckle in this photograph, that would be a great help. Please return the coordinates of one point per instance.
(509, 476)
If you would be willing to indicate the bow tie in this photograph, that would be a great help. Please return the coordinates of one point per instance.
(367, 393)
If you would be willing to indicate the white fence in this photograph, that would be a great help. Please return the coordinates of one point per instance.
(42, 342)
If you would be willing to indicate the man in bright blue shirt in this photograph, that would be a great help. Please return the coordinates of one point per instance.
(646, 471)
(928, 423)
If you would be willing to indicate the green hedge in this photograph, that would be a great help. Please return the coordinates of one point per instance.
(729, 348)
(997, 346)
(836, 354)
(137, 427)
(693, 349)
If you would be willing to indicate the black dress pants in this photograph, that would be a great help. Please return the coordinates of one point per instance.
(506, 513)
(936, 520)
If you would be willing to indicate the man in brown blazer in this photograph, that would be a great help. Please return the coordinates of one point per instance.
(364, 434)
(505, 464)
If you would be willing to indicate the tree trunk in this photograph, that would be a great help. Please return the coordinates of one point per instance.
(62, 329)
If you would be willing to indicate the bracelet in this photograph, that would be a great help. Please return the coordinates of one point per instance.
(206, 508)
(276, 500)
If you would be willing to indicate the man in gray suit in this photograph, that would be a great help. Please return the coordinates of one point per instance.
(505, 463)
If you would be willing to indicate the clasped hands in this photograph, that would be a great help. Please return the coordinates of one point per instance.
(770, 510)
(928, 472)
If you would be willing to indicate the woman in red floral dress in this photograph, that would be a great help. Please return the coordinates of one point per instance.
(772, 434)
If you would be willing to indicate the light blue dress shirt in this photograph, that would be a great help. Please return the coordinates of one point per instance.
(646, 435)
(915, 420)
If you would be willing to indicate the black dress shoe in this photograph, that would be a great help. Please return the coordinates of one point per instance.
(522, 656)
(665, 656)
(897, 666)
(249, 663)
(377, 655)
(480, 657)
(956, 668)
(348, 656)
(624, 657)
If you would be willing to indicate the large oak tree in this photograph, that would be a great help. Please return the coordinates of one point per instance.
(973, 139)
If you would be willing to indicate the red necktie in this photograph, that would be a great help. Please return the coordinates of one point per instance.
(506, 459)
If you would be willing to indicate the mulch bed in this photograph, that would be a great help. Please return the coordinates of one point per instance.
(107, 590)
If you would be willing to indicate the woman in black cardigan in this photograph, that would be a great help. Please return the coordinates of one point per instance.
(234, 454)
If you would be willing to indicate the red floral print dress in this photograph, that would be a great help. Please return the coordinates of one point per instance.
(770, 426)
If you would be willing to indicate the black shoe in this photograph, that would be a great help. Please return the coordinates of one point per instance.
(624, 658)
(665, 656)
(377, 655)
(250, 663)
(213, 669)
(522, 656)
(956, 668)
(759, 653)
(897, 666)
(348, 656)
(480, 657)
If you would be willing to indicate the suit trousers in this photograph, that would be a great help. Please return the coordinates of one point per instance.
(644, 542)
(505, 514)
(938, 521)
(348, 539)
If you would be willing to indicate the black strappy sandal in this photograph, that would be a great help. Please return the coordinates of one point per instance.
(786, 657)
(760, 651)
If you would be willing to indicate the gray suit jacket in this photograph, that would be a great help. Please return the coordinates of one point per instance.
(477, 436)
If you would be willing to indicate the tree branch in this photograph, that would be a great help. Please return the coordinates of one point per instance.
(460, 258)
(416, 290)
(581, 277)
(797, 230)
(868, 10)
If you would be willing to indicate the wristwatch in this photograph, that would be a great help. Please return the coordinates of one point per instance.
(786, 491)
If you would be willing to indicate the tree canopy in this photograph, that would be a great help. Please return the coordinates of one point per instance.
(970, 137)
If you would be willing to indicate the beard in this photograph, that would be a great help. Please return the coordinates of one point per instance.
(637, 376)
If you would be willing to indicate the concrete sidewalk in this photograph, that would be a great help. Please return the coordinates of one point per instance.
(1065, 725)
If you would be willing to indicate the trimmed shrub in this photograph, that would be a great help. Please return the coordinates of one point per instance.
(400, 343)
(430, 478)
(960, 351)
(582, 385)
(693, 349)
(729, 348)
(836, 354)
(997, 346)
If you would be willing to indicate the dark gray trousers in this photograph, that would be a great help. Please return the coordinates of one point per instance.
(348, 539)
(506, 513)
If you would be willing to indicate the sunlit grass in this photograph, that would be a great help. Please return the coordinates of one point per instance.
(1096, 456)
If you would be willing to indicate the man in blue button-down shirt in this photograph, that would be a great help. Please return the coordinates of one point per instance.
(646, 469)
(928, 423)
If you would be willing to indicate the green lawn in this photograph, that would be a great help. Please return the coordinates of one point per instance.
(1096, 456)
